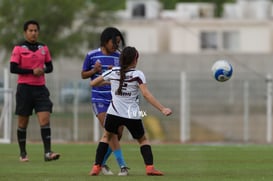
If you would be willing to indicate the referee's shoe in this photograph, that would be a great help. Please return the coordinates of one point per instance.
(51, 156)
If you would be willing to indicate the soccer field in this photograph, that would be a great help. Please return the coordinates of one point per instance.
(178, 162)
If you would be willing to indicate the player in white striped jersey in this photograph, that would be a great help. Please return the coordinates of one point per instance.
(126, 82)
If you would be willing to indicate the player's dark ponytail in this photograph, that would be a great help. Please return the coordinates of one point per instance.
(127, 56)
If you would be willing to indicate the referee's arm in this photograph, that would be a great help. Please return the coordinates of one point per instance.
(14, 68)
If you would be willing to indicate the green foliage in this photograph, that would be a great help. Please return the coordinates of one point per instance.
(56, 18)
(110, 5)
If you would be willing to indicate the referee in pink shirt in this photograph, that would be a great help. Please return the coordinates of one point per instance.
(31, 60)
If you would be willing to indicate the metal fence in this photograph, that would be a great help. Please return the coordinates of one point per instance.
(232, 111)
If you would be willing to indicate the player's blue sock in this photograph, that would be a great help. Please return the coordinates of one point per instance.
(106, 156)
(119, 158)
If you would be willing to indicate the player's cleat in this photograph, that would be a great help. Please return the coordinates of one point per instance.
(106, 170)
(123, 171)
(51, 156)
(95, 170)
(150, 170)
(23, 158)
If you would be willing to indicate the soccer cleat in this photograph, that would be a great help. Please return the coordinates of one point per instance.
(51, 156)
(106, 170)
(123, 171)
(23, 158)
(151, 171)
(95, 170)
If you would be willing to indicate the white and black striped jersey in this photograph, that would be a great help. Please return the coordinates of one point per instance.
(126, 104)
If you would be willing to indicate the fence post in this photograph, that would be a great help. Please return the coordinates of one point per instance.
(246, 110)
(6, 114)
(183, 112)
(75, 113)
(96, 129)
(269, 108)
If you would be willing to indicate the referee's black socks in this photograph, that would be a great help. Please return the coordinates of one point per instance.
(46, 137)
(21, 137)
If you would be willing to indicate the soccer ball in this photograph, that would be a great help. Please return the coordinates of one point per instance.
(222, 70)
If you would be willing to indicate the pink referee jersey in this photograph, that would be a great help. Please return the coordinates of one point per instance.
(28, 59)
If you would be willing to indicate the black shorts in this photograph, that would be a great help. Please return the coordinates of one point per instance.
(134, 126)
(30, 97)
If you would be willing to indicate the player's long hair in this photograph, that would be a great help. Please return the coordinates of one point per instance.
(127, 56)
(110, 33)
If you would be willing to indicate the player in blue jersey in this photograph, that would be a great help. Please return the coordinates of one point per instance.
(96, 62)
(126, 84)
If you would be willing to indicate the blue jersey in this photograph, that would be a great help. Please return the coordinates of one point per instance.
(100, 93)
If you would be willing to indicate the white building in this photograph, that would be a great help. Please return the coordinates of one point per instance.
(246, 27)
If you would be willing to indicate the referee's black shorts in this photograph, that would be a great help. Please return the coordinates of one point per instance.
(29, 97)
(135, 126)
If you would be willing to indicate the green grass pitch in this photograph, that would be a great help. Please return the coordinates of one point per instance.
(178, 161)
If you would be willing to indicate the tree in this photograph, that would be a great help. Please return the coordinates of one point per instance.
(65, 26)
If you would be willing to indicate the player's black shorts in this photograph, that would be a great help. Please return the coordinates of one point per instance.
(134, 126)
(30, 97)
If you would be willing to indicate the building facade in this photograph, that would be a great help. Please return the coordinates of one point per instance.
(245, 27)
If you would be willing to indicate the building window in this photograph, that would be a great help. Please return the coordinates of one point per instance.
(217, 40)
(139, 10)
(231, 41)
(209, 41)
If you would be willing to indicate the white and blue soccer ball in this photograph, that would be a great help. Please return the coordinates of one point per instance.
(222, 70)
